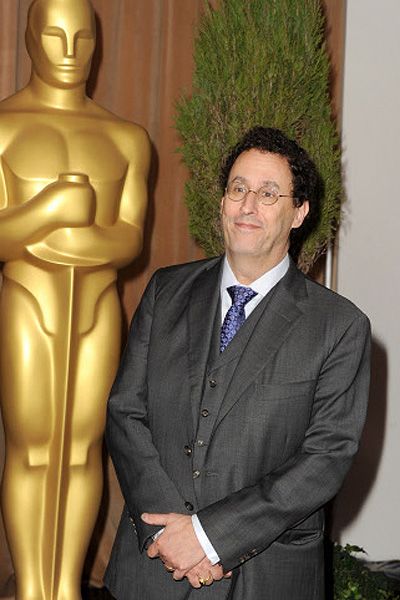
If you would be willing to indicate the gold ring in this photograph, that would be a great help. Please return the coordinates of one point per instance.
(203, 581)
(170, 569)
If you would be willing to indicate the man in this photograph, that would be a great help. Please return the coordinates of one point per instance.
(228, 442)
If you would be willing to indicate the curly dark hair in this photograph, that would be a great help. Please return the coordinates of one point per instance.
(305, 178)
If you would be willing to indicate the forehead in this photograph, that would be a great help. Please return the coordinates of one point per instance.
(73, 15)
(262, 166)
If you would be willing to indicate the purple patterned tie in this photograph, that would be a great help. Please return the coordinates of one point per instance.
(235, 316)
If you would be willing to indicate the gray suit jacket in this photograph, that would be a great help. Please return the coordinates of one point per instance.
(282, 439)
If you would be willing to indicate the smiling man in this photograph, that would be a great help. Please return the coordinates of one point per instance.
(239, 403)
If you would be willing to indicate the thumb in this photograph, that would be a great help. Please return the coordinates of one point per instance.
(155, 518)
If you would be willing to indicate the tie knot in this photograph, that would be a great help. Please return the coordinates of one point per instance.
(240, 295)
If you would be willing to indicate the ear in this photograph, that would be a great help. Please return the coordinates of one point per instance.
(300, 214)
(221, 205)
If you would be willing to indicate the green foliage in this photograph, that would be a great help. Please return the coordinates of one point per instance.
(258, 62)
(354, 581)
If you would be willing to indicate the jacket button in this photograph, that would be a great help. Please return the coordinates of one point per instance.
(212, 383)
(187, 450)
(189, 506)
(204, 412)
(196, 474)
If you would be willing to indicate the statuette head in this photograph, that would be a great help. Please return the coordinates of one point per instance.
(60, 39)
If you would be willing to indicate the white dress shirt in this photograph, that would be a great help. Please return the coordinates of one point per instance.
(262, 286)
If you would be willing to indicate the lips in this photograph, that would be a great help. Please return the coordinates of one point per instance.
(68, 67)
(245, 226)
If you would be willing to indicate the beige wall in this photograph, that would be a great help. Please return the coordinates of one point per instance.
(367, 512)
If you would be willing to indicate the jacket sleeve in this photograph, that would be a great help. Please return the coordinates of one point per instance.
(246, 522)
(145, 485)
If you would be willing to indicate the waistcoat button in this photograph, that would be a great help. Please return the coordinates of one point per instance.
(187, 450)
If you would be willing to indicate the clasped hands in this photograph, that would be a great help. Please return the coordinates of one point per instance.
(180, 551)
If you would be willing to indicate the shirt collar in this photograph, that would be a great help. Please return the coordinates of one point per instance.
(263, 284)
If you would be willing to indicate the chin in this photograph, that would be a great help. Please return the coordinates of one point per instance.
(241, 250)
(246, 246)
(68, 82)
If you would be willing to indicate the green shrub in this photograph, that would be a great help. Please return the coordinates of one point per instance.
(258, 62)
(354, 581)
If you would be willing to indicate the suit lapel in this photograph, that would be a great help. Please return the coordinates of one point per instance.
(203, 304)
(279, 315)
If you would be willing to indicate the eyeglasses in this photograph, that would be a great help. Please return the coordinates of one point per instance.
(266, 195)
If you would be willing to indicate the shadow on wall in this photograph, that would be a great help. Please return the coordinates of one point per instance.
(362, 475)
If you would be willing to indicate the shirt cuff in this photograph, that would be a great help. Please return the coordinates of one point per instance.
(204, 541)
(157, 534)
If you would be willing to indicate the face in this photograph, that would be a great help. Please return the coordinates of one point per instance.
(60, 40)
(252, 231)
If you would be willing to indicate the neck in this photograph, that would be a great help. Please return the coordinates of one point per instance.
(56, 97)
(249, 268)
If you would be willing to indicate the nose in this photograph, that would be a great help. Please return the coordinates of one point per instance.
(249, 203)
(70, 45)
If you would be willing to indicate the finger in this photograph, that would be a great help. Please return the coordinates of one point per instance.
(178, 575)
(228, 574)
(193, 579)
(169, 569)
(152, 550)
(217, 573)
(155, 518)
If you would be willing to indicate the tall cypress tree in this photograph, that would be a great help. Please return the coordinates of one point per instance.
(258, 62)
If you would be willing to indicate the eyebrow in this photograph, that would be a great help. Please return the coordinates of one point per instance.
(265, 182)
(59, 31)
